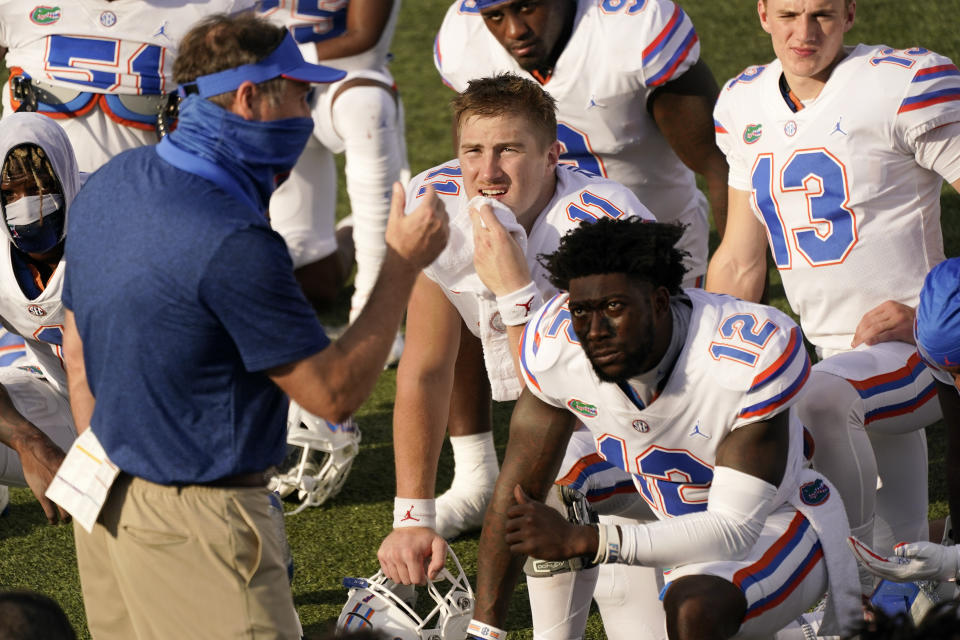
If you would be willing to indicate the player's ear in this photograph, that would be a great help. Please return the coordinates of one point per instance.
(244, 101)
(762, 12)
(851, 11)
(553, 153)
(661, 300)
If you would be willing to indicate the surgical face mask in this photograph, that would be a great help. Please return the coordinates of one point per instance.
(35, 223)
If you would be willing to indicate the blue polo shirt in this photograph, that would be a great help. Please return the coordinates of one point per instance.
(183, 297)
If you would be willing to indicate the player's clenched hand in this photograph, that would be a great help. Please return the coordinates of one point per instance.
(40, 458)
(912, 561)
(890, 321)
(497, 257)
(420, 236)
(537, 530)
(411, 554)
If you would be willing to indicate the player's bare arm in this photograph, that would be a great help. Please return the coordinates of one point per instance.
(334, 382)
(739, 265)
(759, 449)
(424, 386)
(683, 111)
(39, 456)
(538, 438)
(366, 20)
(81, 399)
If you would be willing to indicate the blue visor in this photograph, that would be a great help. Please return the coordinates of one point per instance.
(286, 61)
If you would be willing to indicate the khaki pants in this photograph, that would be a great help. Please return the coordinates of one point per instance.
(186, 562)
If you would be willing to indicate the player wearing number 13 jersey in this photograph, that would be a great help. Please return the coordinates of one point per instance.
(99, 67)
(837, 155)
(616, 68)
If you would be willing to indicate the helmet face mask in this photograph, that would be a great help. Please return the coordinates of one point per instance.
(320, 455)
(383, 606)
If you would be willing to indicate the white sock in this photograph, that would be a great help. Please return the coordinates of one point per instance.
(463, 506)
(475, 463)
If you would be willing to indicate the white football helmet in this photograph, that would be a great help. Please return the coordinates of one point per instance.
(319, 457)
(381, 605)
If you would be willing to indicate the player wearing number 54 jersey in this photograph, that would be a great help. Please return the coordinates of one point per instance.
(692, 393)
(837, 155)
(633, 97)
(99, 67)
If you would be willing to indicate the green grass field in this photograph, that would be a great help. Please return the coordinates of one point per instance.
(340, 538)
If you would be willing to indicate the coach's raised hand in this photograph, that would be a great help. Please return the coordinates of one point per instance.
(417, 238)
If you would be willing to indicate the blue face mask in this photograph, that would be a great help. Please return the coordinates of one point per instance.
(258, 155)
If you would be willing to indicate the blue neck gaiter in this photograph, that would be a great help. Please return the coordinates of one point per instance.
(254, 155)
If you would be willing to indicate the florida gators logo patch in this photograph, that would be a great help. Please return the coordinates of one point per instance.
(814, 493)
(583, 408)
(44, 15)
(752, 133)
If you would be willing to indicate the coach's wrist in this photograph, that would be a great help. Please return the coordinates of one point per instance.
(414, 512)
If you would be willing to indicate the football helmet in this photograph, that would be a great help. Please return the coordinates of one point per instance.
(381, 605)
(319, 457)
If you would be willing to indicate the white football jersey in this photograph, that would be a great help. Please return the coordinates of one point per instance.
(618, 54)
(579, 197)
(852, 218)
(122, 47)
(39, 321)
(310, 22)
(741, 363)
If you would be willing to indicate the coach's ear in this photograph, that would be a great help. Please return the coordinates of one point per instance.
(245, 100)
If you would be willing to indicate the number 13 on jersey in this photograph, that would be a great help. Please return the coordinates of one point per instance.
(829, 232)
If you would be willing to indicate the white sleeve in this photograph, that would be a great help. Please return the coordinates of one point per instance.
(737, 507)
(939, 151)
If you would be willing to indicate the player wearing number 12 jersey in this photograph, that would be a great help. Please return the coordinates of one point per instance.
(99, 67)
(633, 97)
(692, 393)
(837, 155)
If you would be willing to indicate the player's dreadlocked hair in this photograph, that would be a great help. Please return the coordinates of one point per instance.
(508, 94)
(30, 160)
(220, 42)
(644, 250)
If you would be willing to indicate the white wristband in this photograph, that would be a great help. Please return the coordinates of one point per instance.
(608, 544)
(414, 512)
(484, 631)
(517, 307)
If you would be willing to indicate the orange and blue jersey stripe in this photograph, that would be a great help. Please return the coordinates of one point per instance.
(929, 99)
(772, 560)
(438, 60)
(532, 379)
(660, 43)
(592, 465)
(771, 404)
(718, 127)
(782, 363)
(900, 408)
(932, 73)
(12, 348)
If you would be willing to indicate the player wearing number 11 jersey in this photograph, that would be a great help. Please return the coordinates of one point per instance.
(633, 97)
(837, 155)
(100, 68)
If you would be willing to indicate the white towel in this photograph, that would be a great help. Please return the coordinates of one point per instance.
(454, 270)
(819, 501)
